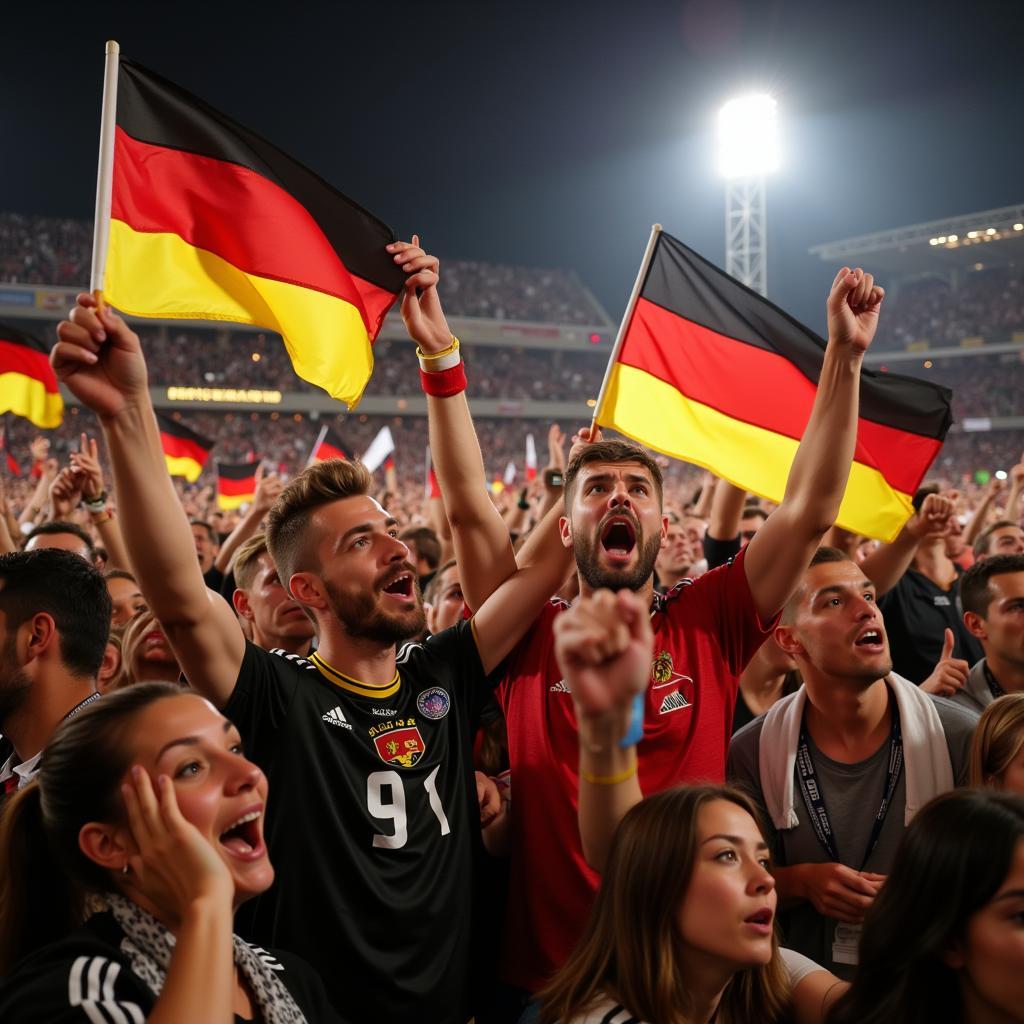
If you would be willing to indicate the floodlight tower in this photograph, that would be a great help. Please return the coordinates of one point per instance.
(748, 150)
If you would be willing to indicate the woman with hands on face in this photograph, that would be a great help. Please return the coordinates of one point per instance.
(121, 868)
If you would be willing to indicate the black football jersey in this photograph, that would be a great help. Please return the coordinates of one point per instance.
(371, 823)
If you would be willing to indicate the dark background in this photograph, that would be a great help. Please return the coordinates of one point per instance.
(555, 134)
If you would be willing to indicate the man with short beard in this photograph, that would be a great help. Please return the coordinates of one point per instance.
(376, 815)
(54, 621)
(705, 633)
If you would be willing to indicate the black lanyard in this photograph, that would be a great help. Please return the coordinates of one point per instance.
(815, 799)
(993, 684)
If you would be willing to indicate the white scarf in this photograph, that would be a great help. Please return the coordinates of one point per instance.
(925, 754)
(150, 946)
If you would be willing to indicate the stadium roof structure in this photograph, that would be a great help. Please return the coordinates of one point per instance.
(988, 238)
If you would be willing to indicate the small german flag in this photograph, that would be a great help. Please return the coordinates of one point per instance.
(236, 484)
(329, 445)
(209, 221)
(712, 373)
(185, 451)
(28, 385)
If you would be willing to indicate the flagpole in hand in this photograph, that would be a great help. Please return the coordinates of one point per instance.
(656, 230)
(104, 174)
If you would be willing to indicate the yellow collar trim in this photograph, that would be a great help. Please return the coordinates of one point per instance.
(354, 685)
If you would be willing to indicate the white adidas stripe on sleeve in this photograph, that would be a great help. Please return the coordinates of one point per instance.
(91, 987)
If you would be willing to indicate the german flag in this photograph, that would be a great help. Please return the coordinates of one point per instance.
(712, 373)
(329, 445)
(28, 385)
(211, 222)
(236, 484)
(185, 451)
(12, 463)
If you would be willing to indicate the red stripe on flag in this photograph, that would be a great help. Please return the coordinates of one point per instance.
(15, 358)
(759, 387)
(236, 214)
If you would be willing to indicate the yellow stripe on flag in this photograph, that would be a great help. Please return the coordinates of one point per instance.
(229, 502)
(188, 468)
(161, 275)
(640, 405)
(28, 397)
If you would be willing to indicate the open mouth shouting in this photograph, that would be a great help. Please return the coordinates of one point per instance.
(243, 838)
(871, 640)
(401, 587)
(618, 539)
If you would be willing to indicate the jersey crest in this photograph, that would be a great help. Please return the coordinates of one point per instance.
(676, 690)
(402, 747)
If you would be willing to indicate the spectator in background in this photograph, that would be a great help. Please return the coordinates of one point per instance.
(997, 750)
(53, 633)
(443, 599)
(1003, 537)
(424, 552)
(207, 546)
(126, 598)
(66, 536)
(942, 942)
(146, 654)
(992, 591)
(924, 604)
(675, 557)
(277, 619)
(820, 760)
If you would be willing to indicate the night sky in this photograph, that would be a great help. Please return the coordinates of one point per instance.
(555, 134)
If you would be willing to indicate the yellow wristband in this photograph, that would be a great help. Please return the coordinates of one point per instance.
(609, 780)
(429, 357)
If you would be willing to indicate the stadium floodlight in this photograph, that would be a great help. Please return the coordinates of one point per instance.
(748, 142)
(748, 150)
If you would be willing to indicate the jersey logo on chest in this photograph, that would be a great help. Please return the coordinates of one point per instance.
(673, 689)
(399, 743)
(336, 717)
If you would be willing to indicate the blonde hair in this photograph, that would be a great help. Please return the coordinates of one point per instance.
(998, 739)
(246, 558)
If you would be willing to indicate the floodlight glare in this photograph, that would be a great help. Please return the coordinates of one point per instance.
(748, 144)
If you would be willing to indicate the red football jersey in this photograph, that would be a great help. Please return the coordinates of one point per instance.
(705, 632)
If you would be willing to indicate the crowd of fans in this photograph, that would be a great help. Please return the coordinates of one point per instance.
(57, 251)
(610, 742)
(987, 303)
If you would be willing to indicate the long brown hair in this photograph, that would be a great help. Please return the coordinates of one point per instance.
(45, 878)
(998, 739)
(631, 950)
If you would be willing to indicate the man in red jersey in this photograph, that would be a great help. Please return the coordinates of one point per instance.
(705, 632)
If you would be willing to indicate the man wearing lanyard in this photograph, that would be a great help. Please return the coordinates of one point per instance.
(841, 766)
(54, 622)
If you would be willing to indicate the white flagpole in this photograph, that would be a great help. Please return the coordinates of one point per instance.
(104, 173)
(656, 230)
(316, 444)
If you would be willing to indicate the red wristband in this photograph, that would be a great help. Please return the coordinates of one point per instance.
(444, 383)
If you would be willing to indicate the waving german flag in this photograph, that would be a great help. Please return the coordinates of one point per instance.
(236, 484)
(185, 451)
(28, 385)
(211, 222)
(712, 373)
(329, 445)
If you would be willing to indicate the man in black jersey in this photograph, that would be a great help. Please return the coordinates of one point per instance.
(368, 751)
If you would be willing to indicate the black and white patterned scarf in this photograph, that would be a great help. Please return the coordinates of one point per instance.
(149, 946)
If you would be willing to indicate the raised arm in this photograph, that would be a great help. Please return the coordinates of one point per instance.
(782, 548)
(86, 462)
(268, 490)
(98, 357)
(888, 562)
(604, 645)
(482, 545)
